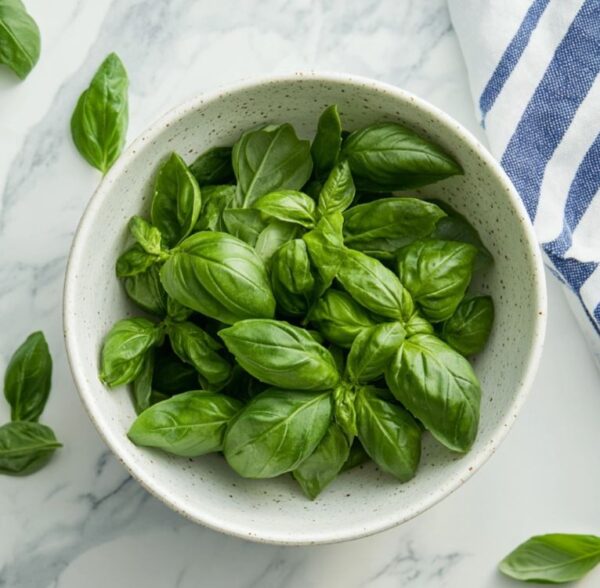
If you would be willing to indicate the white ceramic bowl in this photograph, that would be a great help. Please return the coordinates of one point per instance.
(362, 501)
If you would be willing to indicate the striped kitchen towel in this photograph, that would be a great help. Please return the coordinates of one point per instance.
(533, 67)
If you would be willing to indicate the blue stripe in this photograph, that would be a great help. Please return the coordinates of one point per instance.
(511, 56)
(550, 111)
(597, 314)
(573, 271)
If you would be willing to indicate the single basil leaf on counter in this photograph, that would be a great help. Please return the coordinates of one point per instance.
(321, 467)
(418, 325)
(340, 318)
(371, 351)
(281, 354)
(215, 201)
(388, 433)
(268, 159)
(344, 409)
(171, 375)
(213, 167)
(327, 143)
(555, 558)
(148, 237)
(437, 275)
(276, 431)
(19, 38)
(176, 201)
(177, 312)
(438, 386)
(25, 447)
(146, 290)
(124, 350)
(381, 227)
(374, 286)
(100, 119)
(189, 424)
(388, 156)
(273, 236)
(468, 329)
(244, 223)
(291, 278)
(219, 276)
(356, 457)
(28, 378)
(289, 206)
(338, 190)
(199, 349)
(141, 389)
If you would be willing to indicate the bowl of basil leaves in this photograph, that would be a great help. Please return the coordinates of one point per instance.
(324, 298)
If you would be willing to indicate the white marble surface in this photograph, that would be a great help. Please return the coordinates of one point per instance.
(82, 521)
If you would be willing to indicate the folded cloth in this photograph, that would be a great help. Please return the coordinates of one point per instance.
(533, 68)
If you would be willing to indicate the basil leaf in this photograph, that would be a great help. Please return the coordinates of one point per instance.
(390, 436)
(146, 235)
(438, 386)
(215, 201)
(146, 290)
(219, 276)
(199, 349)
(387, 157)
(381, 227)
(176, 201)
(289, 206)
(134, 261)
(141, 389)
(28, 378)
(19, 38)
(25, 447)
(374, 286)
(242, 385)
(99, 121)
(177, 312)
(281, 354)
(340, 318)
(213, 167)
(171, 375)
(276, 432)
(273, 236)
(338, 191)
(437, 274)
(189, 424)
(291, 278)
(268, 159)
(344, 409)
(321, 467)
(468, 329)
(556, 558)
(371, 351)
(244, 223)
(418, 325)
(356, 457)
(327, 142)
(124, 350)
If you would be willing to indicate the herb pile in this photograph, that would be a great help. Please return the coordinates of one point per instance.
(306, 319)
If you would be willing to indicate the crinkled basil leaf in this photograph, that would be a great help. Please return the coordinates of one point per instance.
(344, 409)
(418, 325)
(215, 201)
(28, 378)
(338, 190)
(276, 431)
(273, 236)
(437, 275)
(146, 235)
(25, 447)
(468, 329)
(189, 424)
(219, 276)
(100, 119)
(244, 223)
(19, 38)
(141, 389)
(281, 354)
(327, 143)
(388, 156)
(289, 206)
(146, 290)
(134, 261)
(213, 167)
(438, 386)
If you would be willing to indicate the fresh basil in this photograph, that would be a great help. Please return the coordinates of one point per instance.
(19, 38)
(273, 236)
(389, 434)
(289, 206)
(171, 375)
(215, 201)
(141, 389)
(28, 378)
(418, 325)
(388, 156)
(148, 237)
(338, 190)
(437, 274)
(269, 159)
(344, 409)
(357, 456)
(189, 424)
(99, 121)
(244, 223)
(178, 312)
(242, 385)
(280, 354)
(438, 386)
(134, 261)
(276, 432)
(146, 290)
(213, 167)
(556, 558)
(327, 143)
(25, 447)
(219, 276)
(468, 329)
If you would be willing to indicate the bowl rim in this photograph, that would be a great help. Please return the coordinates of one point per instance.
(281, 537)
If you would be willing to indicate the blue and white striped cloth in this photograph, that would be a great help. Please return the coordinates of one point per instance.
(533, 67)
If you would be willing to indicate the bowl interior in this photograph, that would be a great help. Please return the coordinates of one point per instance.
(364, 500)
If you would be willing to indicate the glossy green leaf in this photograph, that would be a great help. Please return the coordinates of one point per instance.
(134, 261)
(344, 409)
(289, 206)
(418, 325)
(327, 143)
(25, 447)
(215, 201)
(468, 329)
(213, 167)
(244, 223)
(146, 290)
(189, 424)
(141, 389)
(146, 235)
(177, 312)
(100, 119)
(273, 236)
(338, 190)
(276, 432)
(19, 38)
(28, 378)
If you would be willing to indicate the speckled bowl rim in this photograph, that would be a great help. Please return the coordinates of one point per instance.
(470, 465)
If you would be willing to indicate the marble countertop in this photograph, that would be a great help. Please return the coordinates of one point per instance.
(82, 521)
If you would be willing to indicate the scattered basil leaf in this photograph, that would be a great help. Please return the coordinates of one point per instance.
(289, 206)
(19, 38)
(468, 329)
(273, 236)
(344, 409)
(327, 143)
(141, 389)
(146, 290)
(213, 167)
(357, 456)
(25, 447)
(215, 201)
(244, 223)
(338, 190)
